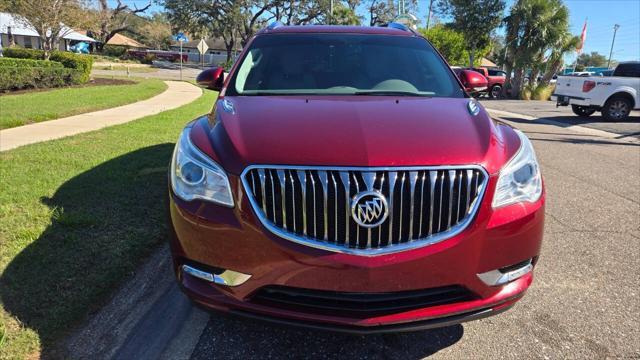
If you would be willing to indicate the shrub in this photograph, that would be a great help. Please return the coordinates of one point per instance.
(16, 78)
(82, 63)
(148, 59)
(111, 50)
(526, 92)
(22, 63)
(20, 53)
(543, 92)
(79, 62)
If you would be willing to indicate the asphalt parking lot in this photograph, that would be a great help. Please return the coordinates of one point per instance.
(584, 302)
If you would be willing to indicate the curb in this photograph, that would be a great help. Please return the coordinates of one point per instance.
(576, 128)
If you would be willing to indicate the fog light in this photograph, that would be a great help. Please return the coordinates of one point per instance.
(506, 274)
(226, 277)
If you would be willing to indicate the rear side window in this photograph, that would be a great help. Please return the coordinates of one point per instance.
(497, 73)
(628, 70)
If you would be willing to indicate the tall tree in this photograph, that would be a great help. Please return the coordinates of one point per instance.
(533, 28)
(111, 21)
(476, 19)
(52, 19)
(156, 31)
(448, 42)
(592, 59)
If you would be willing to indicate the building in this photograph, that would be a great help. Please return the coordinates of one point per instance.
(13, 31)
(216, 54)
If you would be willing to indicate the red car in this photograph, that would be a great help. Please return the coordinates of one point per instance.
(495, 81)
(474, 83)
(344, 180)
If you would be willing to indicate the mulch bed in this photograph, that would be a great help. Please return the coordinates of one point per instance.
(92, 82)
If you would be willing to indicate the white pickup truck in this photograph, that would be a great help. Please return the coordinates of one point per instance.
(615, 96)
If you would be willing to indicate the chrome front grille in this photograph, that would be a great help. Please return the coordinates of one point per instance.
(313, 205)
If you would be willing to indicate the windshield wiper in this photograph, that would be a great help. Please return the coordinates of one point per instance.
(389, 92)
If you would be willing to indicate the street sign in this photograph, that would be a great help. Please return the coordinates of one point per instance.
(180, 37)
(202, 47)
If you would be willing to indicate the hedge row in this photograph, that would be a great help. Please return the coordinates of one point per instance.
(83, 63)
(9, 62)
(16, 78)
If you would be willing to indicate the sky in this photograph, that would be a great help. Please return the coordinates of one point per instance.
(601, 16)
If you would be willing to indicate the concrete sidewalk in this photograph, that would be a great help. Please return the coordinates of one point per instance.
(177, 94)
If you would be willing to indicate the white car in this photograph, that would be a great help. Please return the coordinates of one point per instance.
(615, 96)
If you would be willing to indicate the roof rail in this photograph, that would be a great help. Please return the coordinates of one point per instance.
(274, 25)
(395, 25)
(400, 26)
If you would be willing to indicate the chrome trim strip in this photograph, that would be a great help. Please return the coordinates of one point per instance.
(401, 207)
(424, 178)
(393, 177)
(302, 176)
(227, 278)
(467, 205)
(433, 177)
(390, 248)
(346, 182)
(325, 185)
(452, 180)
(273, 194)
(283, 200)
(313, 197)
(413, 177)
(497, 277)
(262, 186)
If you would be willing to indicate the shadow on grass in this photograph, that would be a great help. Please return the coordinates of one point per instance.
(104, 222)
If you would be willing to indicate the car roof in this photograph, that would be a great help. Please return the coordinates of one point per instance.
(341, 29)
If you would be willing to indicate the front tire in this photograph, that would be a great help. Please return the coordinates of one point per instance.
(582, 111)
(616, 109)
(495, 91)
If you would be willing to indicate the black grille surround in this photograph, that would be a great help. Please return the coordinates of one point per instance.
(356, 304)
(312, 205)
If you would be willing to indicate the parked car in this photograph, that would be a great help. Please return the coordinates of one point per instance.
(345, 180)
(614, 96)
(495, 81)
(474, 83)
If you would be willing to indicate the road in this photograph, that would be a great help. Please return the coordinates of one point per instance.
(584, 302)
(165, 71)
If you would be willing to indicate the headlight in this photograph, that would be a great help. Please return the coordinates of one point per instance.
(520, 178)
(195, 176)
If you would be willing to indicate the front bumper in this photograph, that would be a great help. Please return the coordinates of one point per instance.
(222, 238)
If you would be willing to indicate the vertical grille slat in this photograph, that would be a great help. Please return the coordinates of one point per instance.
(314, 204)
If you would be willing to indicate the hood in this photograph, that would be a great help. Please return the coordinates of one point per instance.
(367, 131)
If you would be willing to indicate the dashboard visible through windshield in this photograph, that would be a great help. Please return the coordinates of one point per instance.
(342, 64)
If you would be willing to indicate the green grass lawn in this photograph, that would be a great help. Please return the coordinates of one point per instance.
(77, 216)
(25, 108)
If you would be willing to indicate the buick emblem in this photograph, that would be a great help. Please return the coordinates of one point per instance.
(369, 209)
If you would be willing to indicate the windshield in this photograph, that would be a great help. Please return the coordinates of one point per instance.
(342, 64)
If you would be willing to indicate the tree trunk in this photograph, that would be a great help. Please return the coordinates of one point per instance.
(508, 68)
(551, 70)
(516, 84)
(472, 54)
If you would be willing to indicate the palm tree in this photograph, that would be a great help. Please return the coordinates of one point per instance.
(565, 44)
(534, 27)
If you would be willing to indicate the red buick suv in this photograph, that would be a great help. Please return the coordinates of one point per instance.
(344, 180)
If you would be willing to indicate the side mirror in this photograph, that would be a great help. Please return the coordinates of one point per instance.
(212, 79)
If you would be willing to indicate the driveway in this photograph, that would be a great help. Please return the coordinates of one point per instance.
(564, 115)
(583, 303)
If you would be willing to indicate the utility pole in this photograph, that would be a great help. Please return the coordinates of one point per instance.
(429, 16)
(615, 30)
